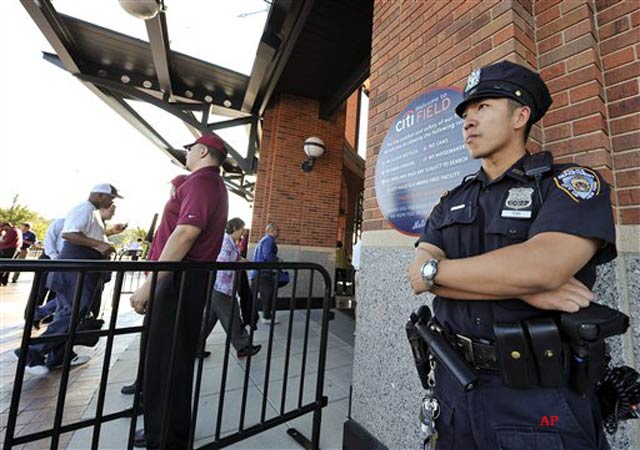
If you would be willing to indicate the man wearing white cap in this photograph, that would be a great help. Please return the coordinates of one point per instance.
(83, 235)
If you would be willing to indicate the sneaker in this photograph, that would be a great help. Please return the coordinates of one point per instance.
(47, 319)
(38, 370)
(203, 355)
(80, 360)
(77, 360)
(270, 321)
(249, 350)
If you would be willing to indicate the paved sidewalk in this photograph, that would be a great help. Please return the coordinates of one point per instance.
(39, 395)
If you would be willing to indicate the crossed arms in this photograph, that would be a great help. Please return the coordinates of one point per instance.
(539, 271)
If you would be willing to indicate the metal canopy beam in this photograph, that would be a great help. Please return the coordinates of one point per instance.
(342, 92)
(273, 56)
(116, 100)
(267, 49)
(47, 19)
(160, 52)
(230, 123)
(168, 107)
(144, 127)
(113, 93)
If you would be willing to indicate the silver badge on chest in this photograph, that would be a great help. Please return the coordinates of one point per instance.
(518, 204)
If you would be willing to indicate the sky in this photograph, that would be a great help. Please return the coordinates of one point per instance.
(59, 139)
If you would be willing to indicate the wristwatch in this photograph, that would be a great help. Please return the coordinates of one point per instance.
(428, 271)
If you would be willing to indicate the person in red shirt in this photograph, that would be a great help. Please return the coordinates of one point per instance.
(10, 242)
(191, 229)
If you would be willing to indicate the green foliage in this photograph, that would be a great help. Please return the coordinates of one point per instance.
(127, 236)
(17, 214)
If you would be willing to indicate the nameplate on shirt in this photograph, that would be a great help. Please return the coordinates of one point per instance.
(512, 214)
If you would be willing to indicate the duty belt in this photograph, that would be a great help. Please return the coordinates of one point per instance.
(479, 354)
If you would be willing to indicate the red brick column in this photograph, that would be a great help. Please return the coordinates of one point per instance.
(305, 205)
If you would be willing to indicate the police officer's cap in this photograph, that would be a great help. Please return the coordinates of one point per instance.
(507, 79)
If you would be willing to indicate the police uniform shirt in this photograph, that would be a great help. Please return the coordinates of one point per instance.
(481, 215)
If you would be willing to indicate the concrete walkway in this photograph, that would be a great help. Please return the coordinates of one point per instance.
(39, 395)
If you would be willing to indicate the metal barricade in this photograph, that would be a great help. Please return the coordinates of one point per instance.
(155, 270)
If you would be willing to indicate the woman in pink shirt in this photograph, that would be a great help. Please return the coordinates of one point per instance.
(223, 295)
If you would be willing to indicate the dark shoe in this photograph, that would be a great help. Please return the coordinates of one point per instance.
(140, 440)
(204, 354)
(249, 350)
(129, 389)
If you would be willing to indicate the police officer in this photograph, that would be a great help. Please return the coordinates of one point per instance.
(517, 241)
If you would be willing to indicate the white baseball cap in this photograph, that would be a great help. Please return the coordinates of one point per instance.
(106, 188)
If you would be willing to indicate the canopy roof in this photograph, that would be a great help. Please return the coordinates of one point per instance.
(318, 49)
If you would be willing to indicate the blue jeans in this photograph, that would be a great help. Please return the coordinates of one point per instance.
(53, 352)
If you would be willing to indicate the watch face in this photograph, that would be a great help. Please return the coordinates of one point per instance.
(428, 271)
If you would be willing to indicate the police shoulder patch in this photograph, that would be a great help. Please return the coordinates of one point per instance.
(578, 183)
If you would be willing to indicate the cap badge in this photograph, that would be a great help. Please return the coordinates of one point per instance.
(473, 80)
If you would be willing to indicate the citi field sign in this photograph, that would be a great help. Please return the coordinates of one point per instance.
(423, 154)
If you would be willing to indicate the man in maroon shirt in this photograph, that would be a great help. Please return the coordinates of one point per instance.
(10, 242)
(191, 229)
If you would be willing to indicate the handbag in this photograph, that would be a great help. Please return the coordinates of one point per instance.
(283, 278)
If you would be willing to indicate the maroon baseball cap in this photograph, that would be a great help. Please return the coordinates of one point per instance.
(212, 141)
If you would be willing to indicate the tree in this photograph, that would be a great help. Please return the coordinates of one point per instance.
(127, 236)
(17, 214)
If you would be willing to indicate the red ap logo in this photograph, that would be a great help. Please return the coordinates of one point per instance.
(548, 421)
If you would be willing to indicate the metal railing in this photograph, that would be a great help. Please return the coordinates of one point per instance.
(221, 438)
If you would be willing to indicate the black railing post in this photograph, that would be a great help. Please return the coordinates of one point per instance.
(64, 379)
(306, 337)
(267, 372)
(201, 346)
(172, 363)
(322, 357)
(143, 352)
(22, 363)
(292, 304)
(102, 392)
(247, 367)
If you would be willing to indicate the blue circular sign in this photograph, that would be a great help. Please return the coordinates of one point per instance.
(422, 155)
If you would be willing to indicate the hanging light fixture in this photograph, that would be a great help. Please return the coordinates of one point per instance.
(314, 148)
(142, 9)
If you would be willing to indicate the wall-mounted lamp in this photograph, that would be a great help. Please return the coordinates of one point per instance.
(142, 9)
(314, 148)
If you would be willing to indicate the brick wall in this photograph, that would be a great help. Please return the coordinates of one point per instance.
(619, 46)
(587, 51)
(305, 205)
